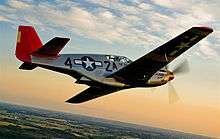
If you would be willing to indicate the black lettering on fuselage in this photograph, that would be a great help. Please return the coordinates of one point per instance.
(109, 67)
(68, 63)
(114, 66)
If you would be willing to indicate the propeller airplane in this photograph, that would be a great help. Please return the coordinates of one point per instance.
(106, 73)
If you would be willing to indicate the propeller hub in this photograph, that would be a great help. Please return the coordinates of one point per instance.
(169, 76)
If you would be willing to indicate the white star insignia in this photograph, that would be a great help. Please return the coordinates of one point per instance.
(88, 63)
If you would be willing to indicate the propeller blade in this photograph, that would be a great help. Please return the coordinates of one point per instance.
(182, 68)
(166, 67)
(153, 89)
(173, 97)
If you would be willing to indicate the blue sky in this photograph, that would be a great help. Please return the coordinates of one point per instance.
(123, 27)
(115, 24)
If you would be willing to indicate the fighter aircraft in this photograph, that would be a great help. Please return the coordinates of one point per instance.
(104, 73)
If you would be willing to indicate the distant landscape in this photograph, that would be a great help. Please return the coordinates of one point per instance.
(21, 122)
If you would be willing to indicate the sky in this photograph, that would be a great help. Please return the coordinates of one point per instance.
(122, 27)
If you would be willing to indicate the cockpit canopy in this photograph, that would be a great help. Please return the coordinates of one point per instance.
(120, 59)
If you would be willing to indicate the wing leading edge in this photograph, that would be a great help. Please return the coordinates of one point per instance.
(150, 63)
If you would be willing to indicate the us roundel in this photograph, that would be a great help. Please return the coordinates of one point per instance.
(88, 63)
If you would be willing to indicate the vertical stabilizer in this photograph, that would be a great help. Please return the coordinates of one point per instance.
(27, 42)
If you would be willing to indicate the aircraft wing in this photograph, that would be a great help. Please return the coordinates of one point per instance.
(91, 93)
(150, 63)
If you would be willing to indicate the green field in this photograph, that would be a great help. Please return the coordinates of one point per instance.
(19, 122)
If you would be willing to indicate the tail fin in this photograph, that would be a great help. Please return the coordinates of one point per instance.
(27, 43)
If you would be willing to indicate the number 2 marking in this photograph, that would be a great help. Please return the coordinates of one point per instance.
(114, 67)
(108, 66)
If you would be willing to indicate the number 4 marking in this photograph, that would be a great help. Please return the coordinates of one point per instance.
(68, 62)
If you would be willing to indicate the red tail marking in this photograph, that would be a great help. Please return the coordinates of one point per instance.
(27, 42)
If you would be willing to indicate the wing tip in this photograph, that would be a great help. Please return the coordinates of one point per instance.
(74, 101)
(64, 38)
(204, 28)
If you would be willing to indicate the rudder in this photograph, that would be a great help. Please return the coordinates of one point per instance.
(27, 43)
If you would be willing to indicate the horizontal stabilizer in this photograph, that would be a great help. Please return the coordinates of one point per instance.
(53, 47)
(28, 66)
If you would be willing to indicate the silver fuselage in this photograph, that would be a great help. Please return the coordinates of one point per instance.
(96, 68)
